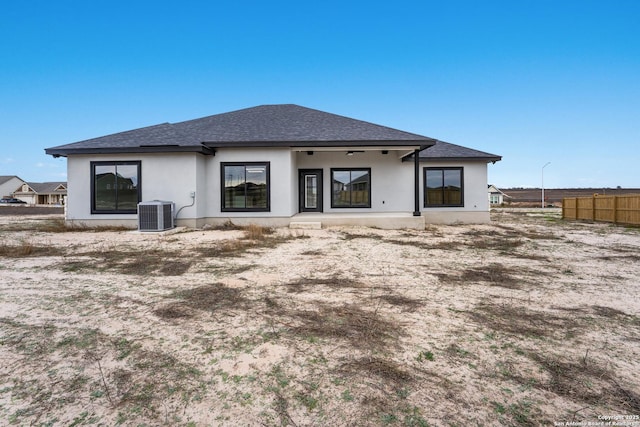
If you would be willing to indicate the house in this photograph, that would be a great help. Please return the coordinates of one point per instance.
(42, 193)
(276, 165)
(496, 197)
(8, 185)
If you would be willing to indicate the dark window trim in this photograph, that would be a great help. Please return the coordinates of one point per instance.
(222, 188)
(424, 176)
(320, 174)
(93, 165)
(332, 170)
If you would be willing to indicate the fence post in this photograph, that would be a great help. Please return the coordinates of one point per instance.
(615, 209)
(593, 208)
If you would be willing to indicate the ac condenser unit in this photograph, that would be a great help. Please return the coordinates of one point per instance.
(156, 215)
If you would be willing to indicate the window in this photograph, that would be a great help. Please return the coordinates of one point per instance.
(351, 188)
(443, 187)
(245, 187)
(115, 187)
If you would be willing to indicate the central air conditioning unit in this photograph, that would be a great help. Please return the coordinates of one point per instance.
(156, 215)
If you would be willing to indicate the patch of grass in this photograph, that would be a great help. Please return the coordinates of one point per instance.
(425, 355)
(81, 340)
(455, 350)
(152, 377)
(30, 340)
(310, 402)
(347, 396)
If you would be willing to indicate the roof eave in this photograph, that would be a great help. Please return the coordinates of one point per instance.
(452, 159)
(64, 152)
(420, 144)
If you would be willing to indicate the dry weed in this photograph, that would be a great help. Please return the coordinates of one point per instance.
(210, 298)
(587, 381)
(334, 282)
(406, 303)
(27, 248)
(361, 328)
(521, 321)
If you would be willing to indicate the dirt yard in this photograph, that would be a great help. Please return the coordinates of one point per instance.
(527, 321)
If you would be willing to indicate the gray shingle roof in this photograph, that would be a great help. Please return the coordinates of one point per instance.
(47, 187)
(284, 125)
(446, 151)
(6, 178)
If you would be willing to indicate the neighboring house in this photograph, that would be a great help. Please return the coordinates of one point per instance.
(497, 197)
(42, 193)
(8, 185)
(276, 165)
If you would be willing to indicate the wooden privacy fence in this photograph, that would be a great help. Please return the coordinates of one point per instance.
(623, 209)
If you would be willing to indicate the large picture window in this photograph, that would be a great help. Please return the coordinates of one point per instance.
(443, 187)
(115, 187)
(351, 188)
(245, 187)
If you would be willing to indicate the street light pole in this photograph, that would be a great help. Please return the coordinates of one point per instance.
(547, 164)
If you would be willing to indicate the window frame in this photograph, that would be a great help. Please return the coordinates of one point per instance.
(267, 166)
(443, 205)
(93, 164)
(351, 206)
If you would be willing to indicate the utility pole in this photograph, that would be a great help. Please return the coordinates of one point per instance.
(547, 164)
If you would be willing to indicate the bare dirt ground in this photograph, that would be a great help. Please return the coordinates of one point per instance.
(22, 210)
(527, 321)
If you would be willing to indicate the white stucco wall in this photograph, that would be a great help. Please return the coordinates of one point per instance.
(391, 180)
(281, 168)
(476, 204)
(169, 177)
(175, 176)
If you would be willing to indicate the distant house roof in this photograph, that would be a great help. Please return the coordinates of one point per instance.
(495, 190)
(447, 151)
(43, 188)
(7, 178)
(48, 187)
(284, 125)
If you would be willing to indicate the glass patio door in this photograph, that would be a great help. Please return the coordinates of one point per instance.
(310, 194)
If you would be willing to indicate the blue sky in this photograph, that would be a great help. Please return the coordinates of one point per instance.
(534, 81)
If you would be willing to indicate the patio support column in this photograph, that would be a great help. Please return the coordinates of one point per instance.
(416, 184)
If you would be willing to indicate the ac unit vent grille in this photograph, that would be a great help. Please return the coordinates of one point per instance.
(155, 216)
